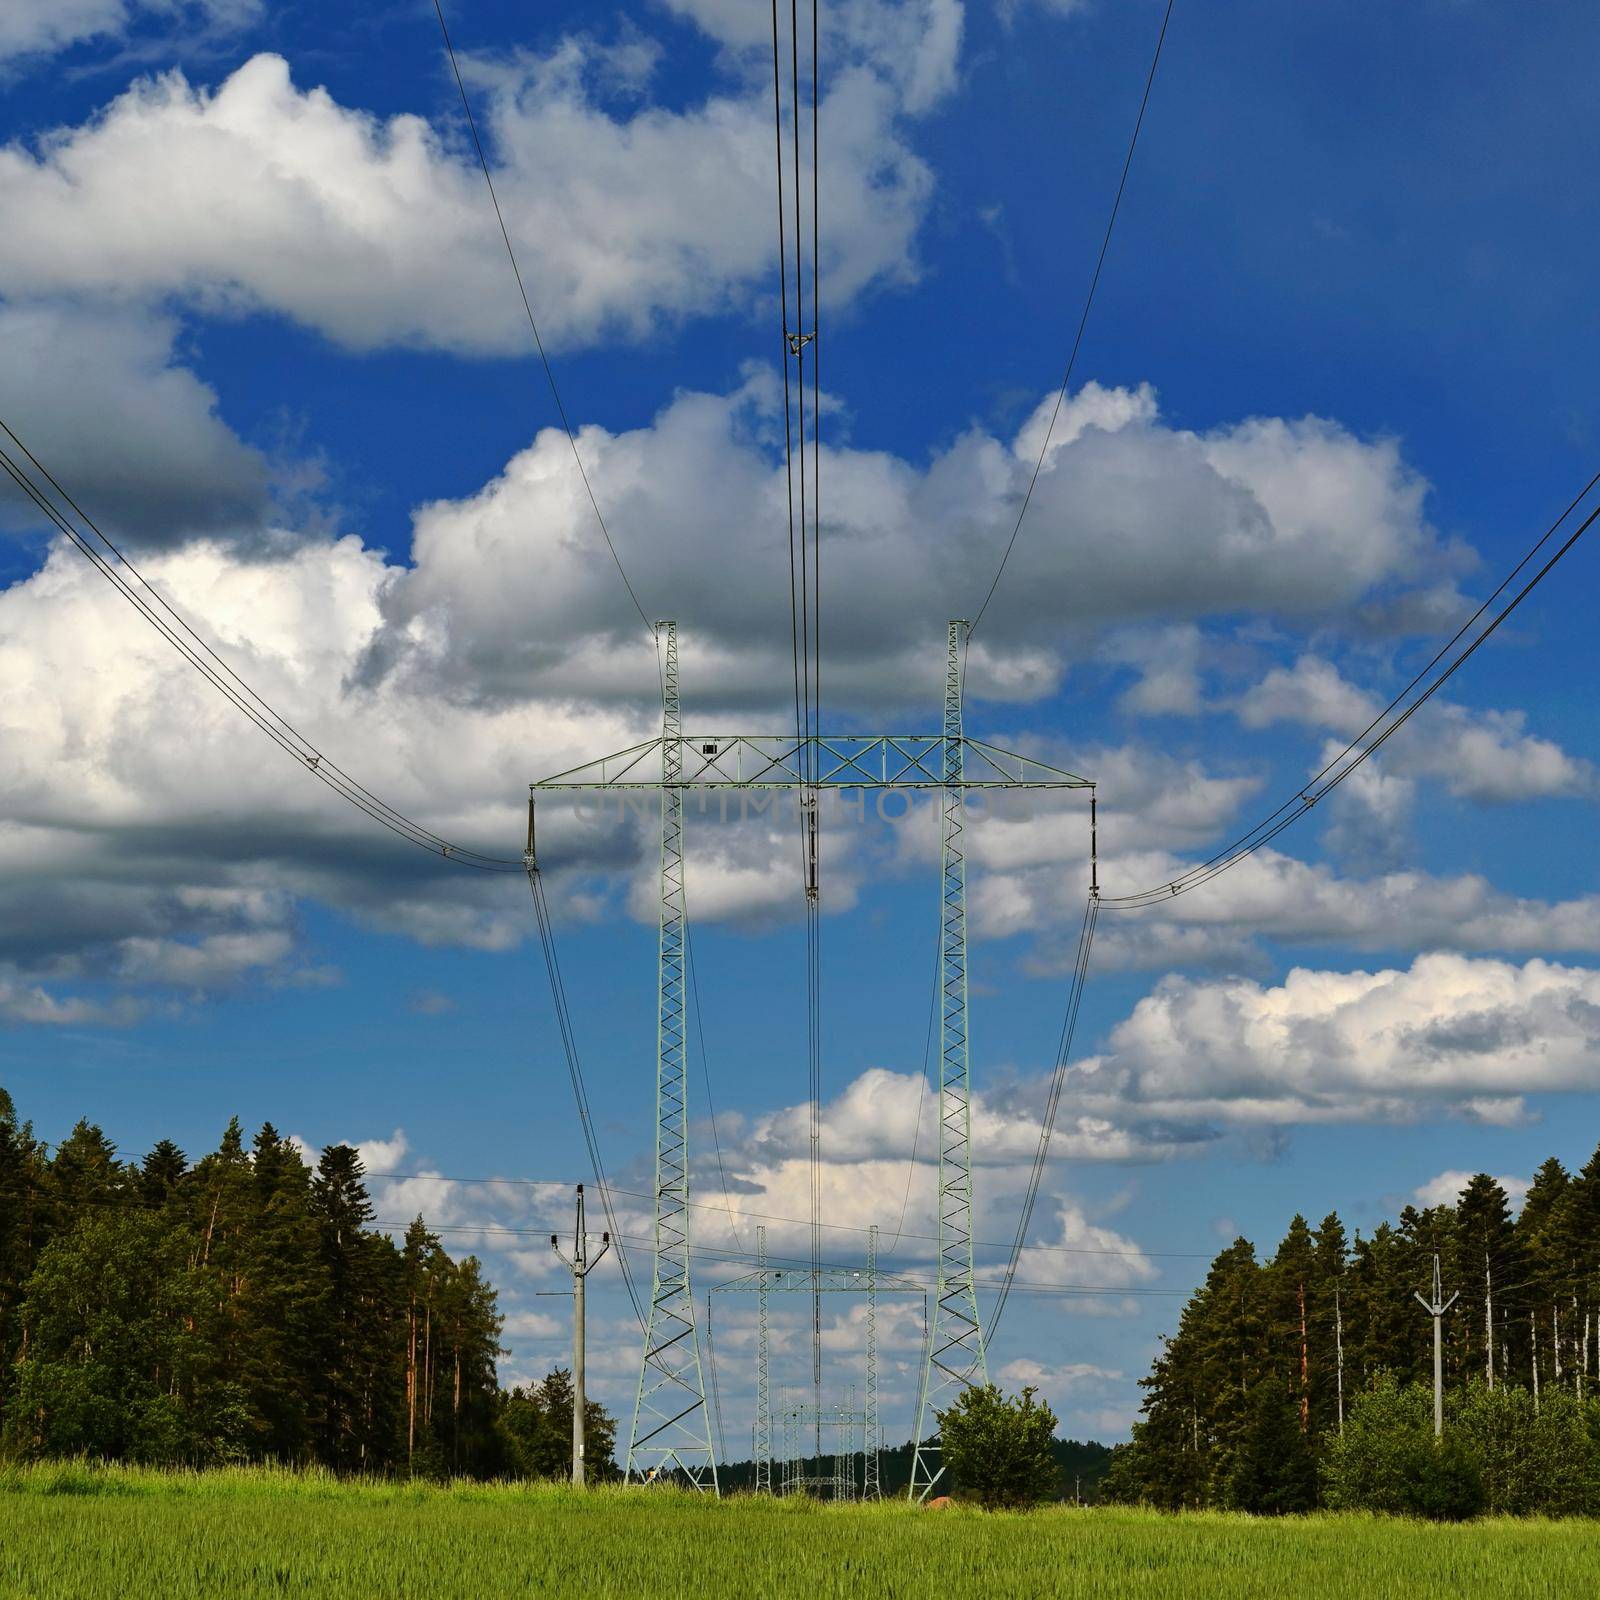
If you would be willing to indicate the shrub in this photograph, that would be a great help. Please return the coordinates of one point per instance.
(998, 1450)
(1388, 1460)
(1535, 1461)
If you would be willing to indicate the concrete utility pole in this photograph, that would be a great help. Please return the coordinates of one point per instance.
(1436, 1309)
(581, 1267)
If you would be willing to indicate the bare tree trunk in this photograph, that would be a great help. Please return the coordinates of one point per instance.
(1533, 1341)
(427, 1366)
(1555, 1339)
(205, 1255)
(1338, 1347)
(1305, 1368)
(1488, 1322)
(1580, 1356)
(411, 1382)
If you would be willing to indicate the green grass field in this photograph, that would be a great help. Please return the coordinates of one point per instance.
(75, 1533)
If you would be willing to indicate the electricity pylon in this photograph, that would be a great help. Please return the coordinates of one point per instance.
(802, 1280)
(955, 1356)
(871, 1479)
(1436, 1309)
(763, 1391)
(815, 766)
(671, 1433)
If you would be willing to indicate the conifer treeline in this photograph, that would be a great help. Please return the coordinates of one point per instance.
(1327, 1316)
(237, 1309)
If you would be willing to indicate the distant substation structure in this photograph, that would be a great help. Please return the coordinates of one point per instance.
(670, 1437)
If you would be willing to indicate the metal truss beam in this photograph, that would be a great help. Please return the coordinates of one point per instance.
(855, 761)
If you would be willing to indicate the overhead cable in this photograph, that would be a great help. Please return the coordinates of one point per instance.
(580, 1092)
(1083, 319)
(113, 565)
(1047, 1124)
(527, 306)
(1394, 716)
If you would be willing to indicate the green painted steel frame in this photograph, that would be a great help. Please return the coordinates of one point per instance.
(671, 1434)
(955, 1354)
(948, 762)
(852, 761)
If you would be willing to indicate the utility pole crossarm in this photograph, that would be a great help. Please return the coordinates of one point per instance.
(776, 761)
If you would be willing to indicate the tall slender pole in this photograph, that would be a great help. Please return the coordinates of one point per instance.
(871, 1481)
(1436, 1309)
(955, 1354)
(671, 1433)
(581, 1266)
(763, 1391)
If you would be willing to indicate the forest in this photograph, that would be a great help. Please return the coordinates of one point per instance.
(1328, 1331)
(241, 1308)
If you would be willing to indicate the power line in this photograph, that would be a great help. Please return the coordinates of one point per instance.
(1047, 1123)
(580, 1092)
(139, 592)
(801, 1264)
(1380, 729)
(922, 1095)
(527, 306)
(705, 1073)
(801, 1222)
(1083, 320)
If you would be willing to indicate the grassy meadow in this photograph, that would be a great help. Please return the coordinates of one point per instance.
(71, 1532)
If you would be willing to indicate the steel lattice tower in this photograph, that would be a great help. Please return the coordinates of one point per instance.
(763, 1392)
(871, 1483)
(955, 1356)
(671, 1434)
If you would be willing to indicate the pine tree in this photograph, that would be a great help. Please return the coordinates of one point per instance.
(161, 1172)
(1328, 1309)
(1291, 1289)
(1274, 1470)
(1486, 1255)
(239, 1310)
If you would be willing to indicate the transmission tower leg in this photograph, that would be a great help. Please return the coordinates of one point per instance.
(763, 1392)
(671, 1435)
(871, 1484)
(955, 1356)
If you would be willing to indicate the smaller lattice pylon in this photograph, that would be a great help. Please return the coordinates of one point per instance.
(871, 1479)
(763, 1392)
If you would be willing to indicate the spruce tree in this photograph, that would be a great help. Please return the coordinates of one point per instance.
(1274, 1471)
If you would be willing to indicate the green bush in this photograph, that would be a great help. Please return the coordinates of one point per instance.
(1539, 1460)
(997, 1450)
(1388, 1460)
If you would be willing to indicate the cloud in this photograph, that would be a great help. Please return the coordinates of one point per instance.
(429, 1003)
(1450, 1035)
(261, 196)
(41, 27)
(505, 649)
(1157, 529)
(24, 1001)
(1267, 896)
(916, 44)
(1479, 755)
(98, 398)
(1445, 1188)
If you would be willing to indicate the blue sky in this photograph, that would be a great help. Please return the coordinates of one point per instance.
(258, 320)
